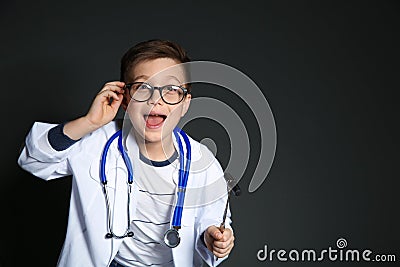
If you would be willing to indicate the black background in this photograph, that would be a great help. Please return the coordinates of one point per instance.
(329, 70)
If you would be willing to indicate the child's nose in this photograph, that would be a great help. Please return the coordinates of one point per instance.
(155, 97)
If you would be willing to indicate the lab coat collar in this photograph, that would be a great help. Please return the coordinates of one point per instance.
(132, 149)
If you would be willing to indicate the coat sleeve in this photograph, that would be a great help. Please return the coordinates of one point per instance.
(212, 214)
(38, 156)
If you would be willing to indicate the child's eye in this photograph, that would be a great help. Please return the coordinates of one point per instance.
(143, 87)
(172, 89)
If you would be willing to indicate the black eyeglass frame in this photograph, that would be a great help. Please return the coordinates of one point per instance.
(159, 88)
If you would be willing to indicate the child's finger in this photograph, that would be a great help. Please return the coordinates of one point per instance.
(112, 88)
(107, 94)
(222, 250)
(215, 233)
(222, 244)
(116, 83)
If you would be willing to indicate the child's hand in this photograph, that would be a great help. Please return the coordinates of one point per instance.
(106, 104)
(103, 110)
(220, 244)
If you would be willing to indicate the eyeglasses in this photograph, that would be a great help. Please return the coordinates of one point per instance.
(170, 94)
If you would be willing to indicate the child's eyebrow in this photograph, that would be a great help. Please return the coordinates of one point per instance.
(145, 77)
(174, 78)
(141, 77)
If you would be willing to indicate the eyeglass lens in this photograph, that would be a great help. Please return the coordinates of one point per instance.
(171, 94)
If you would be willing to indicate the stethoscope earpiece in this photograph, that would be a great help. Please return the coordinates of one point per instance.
(109, 235)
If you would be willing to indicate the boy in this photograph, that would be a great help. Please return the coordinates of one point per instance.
(101, 232)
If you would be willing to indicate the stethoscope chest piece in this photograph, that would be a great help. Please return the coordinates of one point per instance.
(172, 238)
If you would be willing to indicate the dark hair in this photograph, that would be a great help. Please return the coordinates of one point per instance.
(152, 49)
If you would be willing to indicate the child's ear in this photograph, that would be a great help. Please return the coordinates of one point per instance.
(186, 104)
(125, 101)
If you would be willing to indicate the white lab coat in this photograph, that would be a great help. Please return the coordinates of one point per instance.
(85, 244)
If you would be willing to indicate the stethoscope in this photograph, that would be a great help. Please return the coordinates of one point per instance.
(171, 236)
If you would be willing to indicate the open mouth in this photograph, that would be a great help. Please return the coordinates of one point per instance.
(154, 120)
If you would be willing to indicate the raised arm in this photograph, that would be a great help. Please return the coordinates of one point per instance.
(47, 146)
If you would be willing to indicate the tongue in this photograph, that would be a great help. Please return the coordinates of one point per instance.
(154, 120)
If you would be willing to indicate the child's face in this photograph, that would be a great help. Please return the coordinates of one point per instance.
(154, 120)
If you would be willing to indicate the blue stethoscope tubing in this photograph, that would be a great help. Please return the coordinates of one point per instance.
(125, 157)
(182, 183)
(183, 176)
